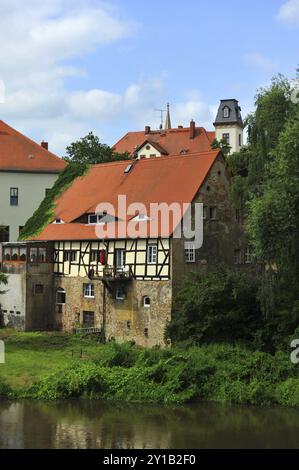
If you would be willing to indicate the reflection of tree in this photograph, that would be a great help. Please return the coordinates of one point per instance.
(96, 424)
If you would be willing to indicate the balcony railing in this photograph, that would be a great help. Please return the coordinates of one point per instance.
(113, 273)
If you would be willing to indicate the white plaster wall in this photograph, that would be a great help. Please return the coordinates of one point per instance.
(32, 187)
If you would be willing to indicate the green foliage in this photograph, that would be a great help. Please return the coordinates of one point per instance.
(222, 145)
(90, 150)
(218, 306)
(45, 212)
(5, 390)
(3, 280)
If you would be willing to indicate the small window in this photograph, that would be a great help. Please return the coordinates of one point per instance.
(153, 155)
(7, 254)
(92, 219)
(146, 332)
(213, 213)
(204, 215)
(88, 319)
(226, 138)
(60, 296)
(20, 228)
(120, 258)
(33, 255)
(237, 256)
(152, 254)
(146, 301)
(142, 157)
(226, 112)
(14, 196)
(38, 289)
(23, 253)
(240, 140)
(189, 252)
(70, 255)
(4, 233)
(94, 256)
(15, 254)
(42, 255)
(88, 290)
(248, 255)
(120, 294)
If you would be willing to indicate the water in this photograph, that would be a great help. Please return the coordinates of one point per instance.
(96, 425)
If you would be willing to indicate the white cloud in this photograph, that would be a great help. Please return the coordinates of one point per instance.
(289, 12)
(260, 62)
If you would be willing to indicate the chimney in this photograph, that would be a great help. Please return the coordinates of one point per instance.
(192, 129)
(147, 130)
(45, 145)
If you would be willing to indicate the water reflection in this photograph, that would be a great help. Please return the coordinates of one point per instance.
(95, 424)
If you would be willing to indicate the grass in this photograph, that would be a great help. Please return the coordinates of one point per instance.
(50, 366)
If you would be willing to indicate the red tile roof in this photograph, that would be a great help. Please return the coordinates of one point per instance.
(171, 179)
(19, 153)
(174, 141)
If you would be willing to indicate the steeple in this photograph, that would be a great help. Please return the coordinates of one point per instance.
(167, 120)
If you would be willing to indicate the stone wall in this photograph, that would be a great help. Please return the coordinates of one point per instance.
(123, 320)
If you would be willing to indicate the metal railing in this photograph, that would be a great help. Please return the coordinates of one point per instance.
(89, 330)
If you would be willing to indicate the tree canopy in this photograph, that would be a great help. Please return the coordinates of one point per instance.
(90, 150)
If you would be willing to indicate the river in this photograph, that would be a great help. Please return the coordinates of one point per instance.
(102, 425)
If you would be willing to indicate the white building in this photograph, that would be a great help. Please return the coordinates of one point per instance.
(229, 124)
(27, 170)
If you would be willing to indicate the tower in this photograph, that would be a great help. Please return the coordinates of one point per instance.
(168, 120)
(229, 124)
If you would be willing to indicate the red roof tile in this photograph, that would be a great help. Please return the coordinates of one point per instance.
(172, 140)
(171, 179)
(19, 153)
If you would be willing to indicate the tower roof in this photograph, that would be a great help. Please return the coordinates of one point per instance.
(168, 120)
(229, 112)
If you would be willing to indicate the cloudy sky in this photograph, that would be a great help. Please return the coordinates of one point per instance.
(71, 66)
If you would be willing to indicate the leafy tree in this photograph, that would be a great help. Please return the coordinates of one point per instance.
(222, 145)
(216, 307)
(90, 150)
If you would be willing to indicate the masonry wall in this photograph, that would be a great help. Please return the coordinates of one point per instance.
(123, 320)
(221, 237)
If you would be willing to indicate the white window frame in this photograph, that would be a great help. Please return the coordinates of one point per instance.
(70, 256)
(226, 112)
(152, 254)
(189, 252)
(120, 258)
(144, 303)
(88, 291)
(98, 218)
(60, 291)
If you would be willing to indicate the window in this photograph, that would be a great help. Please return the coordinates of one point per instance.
(33, 255)
(146, 332)
(153, 155)
(60, 296)
(237, 256)
(142, 157)
(38, 289)
(189, 252)
(240, 140)
(88, 319)
(94, 256)
(248, 255)
(213, 213)
(4, 234)
(204, 215)
(70, 255)
(146, 301)
(42, 255)
(120, 294)
(23, 253)
(94, 219)
(7, 254)
(14, 196)
(226, 137)
(15, 254)
(226, 112)
(20, 228)
(88, 290)
(152, 254)
(120, 258)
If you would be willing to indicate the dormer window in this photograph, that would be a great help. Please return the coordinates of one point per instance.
(58, 221)
(94, 219)
(226, 112)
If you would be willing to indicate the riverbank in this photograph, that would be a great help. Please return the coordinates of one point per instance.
(50, 366)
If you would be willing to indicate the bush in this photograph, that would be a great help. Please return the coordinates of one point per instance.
(5, 390)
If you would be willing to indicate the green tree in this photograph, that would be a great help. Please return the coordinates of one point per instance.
(90, 150)
(3, 280)
(222, 145)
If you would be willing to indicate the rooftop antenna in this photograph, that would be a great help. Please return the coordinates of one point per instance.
(161, 111)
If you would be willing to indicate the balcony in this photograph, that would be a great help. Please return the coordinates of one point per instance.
(113, 273)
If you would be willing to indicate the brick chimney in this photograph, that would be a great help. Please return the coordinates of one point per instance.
(147, 130)
(45, 145)
(192, 129)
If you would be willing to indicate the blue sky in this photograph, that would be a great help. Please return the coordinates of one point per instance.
(73, 66)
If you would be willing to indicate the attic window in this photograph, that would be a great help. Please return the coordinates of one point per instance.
(128, 168)
(94, 219)
(148, 147)
(58, 221)
(226, 112)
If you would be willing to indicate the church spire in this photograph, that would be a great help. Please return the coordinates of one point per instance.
(167, 120)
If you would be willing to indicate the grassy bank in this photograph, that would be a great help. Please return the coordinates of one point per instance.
(52, 366)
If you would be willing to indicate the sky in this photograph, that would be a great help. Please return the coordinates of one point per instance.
(68, 67)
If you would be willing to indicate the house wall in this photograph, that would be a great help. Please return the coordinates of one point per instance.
(13, 301)
(220, 236)
(234, 131)
(147, 150)
(31, 187)
(123, 320)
